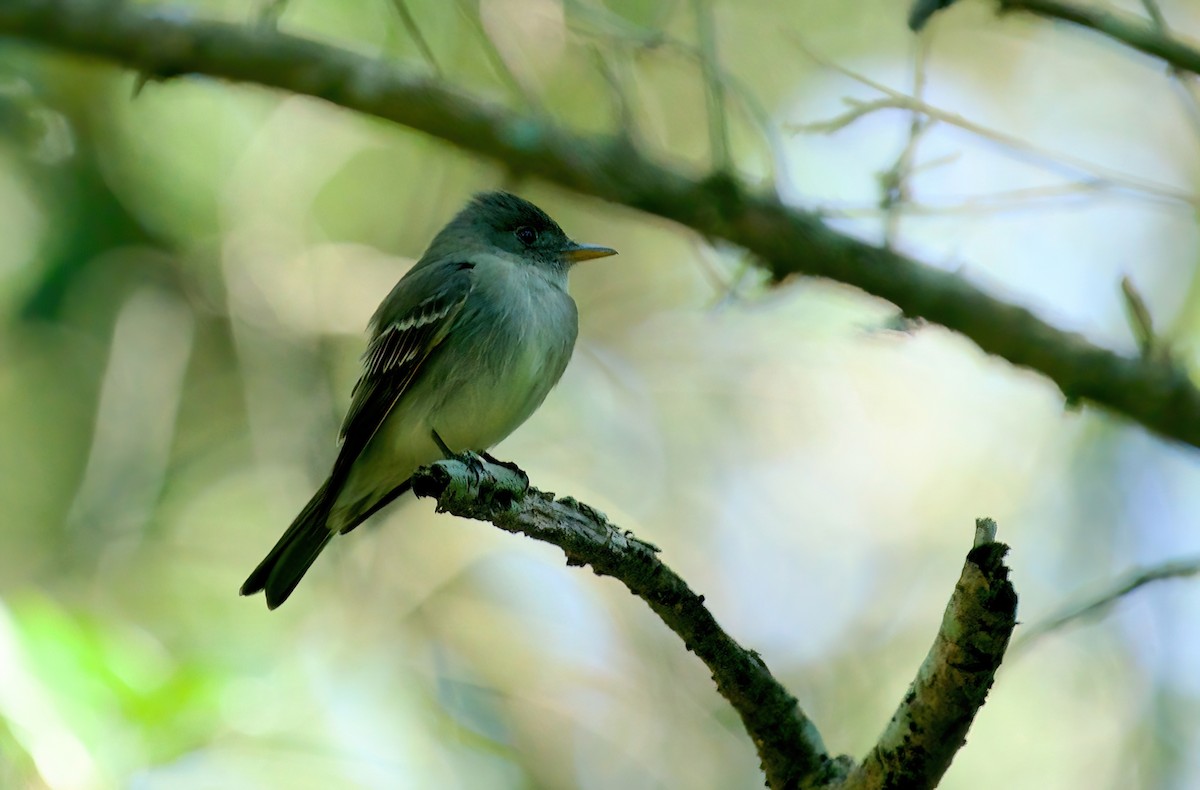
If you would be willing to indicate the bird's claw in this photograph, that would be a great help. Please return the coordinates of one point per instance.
(474, 462)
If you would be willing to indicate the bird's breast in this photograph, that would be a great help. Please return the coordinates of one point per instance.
(509, 348)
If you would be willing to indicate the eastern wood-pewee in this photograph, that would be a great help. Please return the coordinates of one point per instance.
(465, 347)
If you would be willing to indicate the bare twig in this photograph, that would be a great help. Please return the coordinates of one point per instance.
(930, 725)
(1001, 202)
(510, 79)
(1090, 172)
(414, 32)
(714, 87)
(617, 31)
(789, 746)
(1138, 313)
(619, 90)
(1096, 605)
(895, 181)
(270, 12)
(1156, 15)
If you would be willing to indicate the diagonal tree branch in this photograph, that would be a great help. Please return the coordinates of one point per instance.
(786, 241)
(1144, 36)
(789, 747)
(930, 725)
(1099, 603)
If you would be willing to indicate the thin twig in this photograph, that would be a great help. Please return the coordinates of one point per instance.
(741, 270)
(714, 87)
(1096, 605)
(270, 12)
(993, 203)
(418, 38)
(626, 118)
(895, 181)
(1156, 15)
(1140, 321)
(510, 79)
(1050, 160)
(618, 31)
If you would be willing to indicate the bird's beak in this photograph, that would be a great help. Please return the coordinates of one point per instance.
(575, 252)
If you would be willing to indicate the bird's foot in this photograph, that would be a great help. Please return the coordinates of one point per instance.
(475, 462)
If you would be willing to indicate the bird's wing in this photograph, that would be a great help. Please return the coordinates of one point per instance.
(410, 324)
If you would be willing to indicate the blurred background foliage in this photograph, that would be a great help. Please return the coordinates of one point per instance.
(185, 275)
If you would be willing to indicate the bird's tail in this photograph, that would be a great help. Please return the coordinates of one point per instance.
(285, 565)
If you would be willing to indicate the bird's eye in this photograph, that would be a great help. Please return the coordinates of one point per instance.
(526, 235)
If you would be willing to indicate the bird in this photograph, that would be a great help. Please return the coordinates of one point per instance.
(462, 351)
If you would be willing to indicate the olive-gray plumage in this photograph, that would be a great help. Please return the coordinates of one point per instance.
(467, 344)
